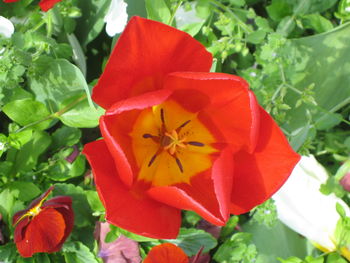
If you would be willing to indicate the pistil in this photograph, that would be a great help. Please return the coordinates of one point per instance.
(170, 141)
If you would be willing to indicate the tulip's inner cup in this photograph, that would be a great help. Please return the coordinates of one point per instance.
(171, 144)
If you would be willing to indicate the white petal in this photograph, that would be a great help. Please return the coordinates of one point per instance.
(6, 27)
(184, 17)
(303, 208)
(116, 17)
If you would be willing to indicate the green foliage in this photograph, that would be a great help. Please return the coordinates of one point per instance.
(265, 213)
(236, 249)
(192, 240)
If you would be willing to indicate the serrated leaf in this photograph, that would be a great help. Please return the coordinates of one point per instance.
(77, 252)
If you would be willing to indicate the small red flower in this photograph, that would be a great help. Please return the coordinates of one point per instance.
(166, 252)
(174, 139)
(44, 225)
(45, 5)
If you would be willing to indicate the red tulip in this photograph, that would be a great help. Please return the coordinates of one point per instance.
(44, 225)
(177, 140)
(166, 252)
(45, 5)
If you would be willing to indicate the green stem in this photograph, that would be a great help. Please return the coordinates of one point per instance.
(174, 12)
(54, 115)
(243, 25)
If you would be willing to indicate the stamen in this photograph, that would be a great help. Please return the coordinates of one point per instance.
(147, 135)
(162, 116)
(199, 144)
(152, 159)
(184, 124)
(179, 164)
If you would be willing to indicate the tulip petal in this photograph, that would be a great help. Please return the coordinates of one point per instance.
(45, 5)
(208, 193)
(43, 233)
(166, 252)
(118, 123)
(145, 53)
(129, 208)
(231, 107)
(259, 175)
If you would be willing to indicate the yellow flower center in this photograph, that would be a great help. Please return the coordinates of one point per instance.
(171, 144)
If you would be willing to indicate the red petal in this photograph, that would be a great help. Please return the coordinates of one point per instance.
(63, 204)
(145, 53)
(131, 210)
(21, 227)
(118, 123)
(10, 1)
(43, 233)
(229, 106)
(259, 175)
(45, 5)
(208, 194)
(166, 252)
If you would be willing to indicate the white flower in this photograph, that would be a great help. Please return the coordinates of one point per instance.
(2, 146)
(6, 27)
(184, 17)
(116, 17)
(302, 207)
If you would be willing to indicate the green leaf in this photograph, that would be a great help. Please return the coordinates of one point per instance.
(312, 6)
(7, 200)
(77, 252)
(91, 23)
(317, 23)
(27, 111)
(82, 115)
(283, 242)
(278, 9)
(24, 191)
(8, 252)
(59, 82)
(158, 10)
(286, 26)
(62, 170)
(95, 202)
(116, 232)
(18, 139)
(237, 249)
(322, 54)
(328, 120)
(191, 240)
(65, 136)
(335, 258)
(256, 37)
(28, 155)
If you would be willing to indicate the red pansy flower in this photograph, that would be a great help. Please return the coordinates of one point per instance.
(166, 252)
(44, 225)
(177, 137)
(45, 5)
